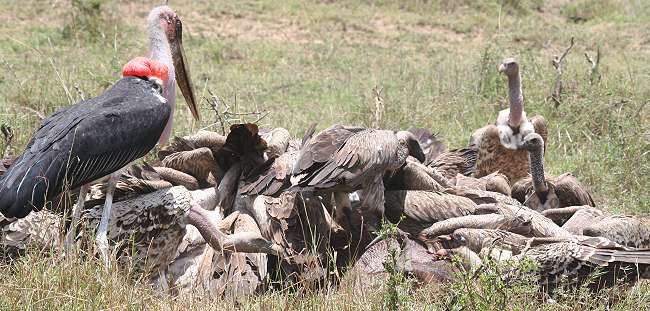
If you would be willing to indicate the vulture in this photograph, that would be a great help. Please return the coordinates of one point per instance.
(622, 229)
(346, 159)
(149, 228)
(431, 145)
(541, 192)
(273, 177)
(278, 140)
(495, 243)
(598, 261)
(415, 211)
(495, 182)
(40, 230)
(498, 144)
(493, 202)
(579, 215)
(454, 162)
(200, 139)
(198, 163)
(415, 176)
(589, 221)
(572, 259)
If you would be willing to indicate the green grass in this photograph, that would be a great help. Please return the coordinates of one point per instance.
(310, 62)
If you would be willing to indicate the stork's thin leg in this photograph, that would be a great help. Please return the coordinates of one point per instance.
(76, 214)
(102, 238)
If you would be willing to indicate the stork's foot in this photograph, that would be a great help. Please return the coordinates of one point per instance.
(102, 246)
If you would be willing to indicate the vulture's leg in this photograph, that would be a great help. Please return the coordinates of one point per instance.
(342, 208)
(102, 238)
(76, 214)
(372, 204)
(227, 189)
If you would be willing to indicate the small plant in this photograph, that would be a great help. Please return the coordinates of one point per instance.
(490, 286)
(391, 299)
(489, 79)
(86, 21)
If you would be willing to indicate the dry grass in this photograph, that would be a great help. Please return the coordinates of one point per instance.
(319, 61)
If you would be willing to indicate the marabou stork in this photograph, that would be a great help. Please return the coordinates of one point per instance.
(96, 138)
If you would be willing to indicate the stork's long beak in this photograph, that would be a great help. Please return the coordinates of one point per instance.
(182, 71)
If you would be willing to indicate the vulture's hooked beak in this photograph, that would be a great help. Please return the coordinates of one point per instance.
(415, 150)
(502, 67)
(182, 71)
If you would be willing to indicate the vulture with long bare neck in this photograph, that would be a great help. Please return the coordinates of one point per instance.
(541, 192)
(498, 144)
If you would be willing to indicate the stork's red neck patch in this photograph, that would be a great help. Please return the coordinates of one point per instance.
(145, 67)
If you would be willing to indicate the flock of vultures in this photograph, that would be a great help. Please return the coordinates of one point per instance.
(255, 209)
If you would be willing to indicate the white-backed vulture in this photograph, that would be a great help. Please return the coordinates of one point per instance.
(493, 202)
(482, 196)
(431, 145)
(277, 141)
(573, 259)
(192, 267)
(153, 225)
(495, 243)
(415, 211)
(453, 162)
(495, 182)
(240, 273)
(541, 192)
(198, 140)
(199, 163)
(271, 178)
(415, 176)
(177, 178)
(506, 222)
(346, 159)
(498, 144)
(622, 229)
(40, 230)
(590, 221)
(583, 214)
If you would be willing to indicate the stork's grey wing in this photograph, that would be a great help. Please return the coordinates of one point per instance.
(84, 142)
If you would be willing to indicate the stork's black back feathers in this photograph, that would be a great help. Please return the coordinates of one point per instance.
(83, 142)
